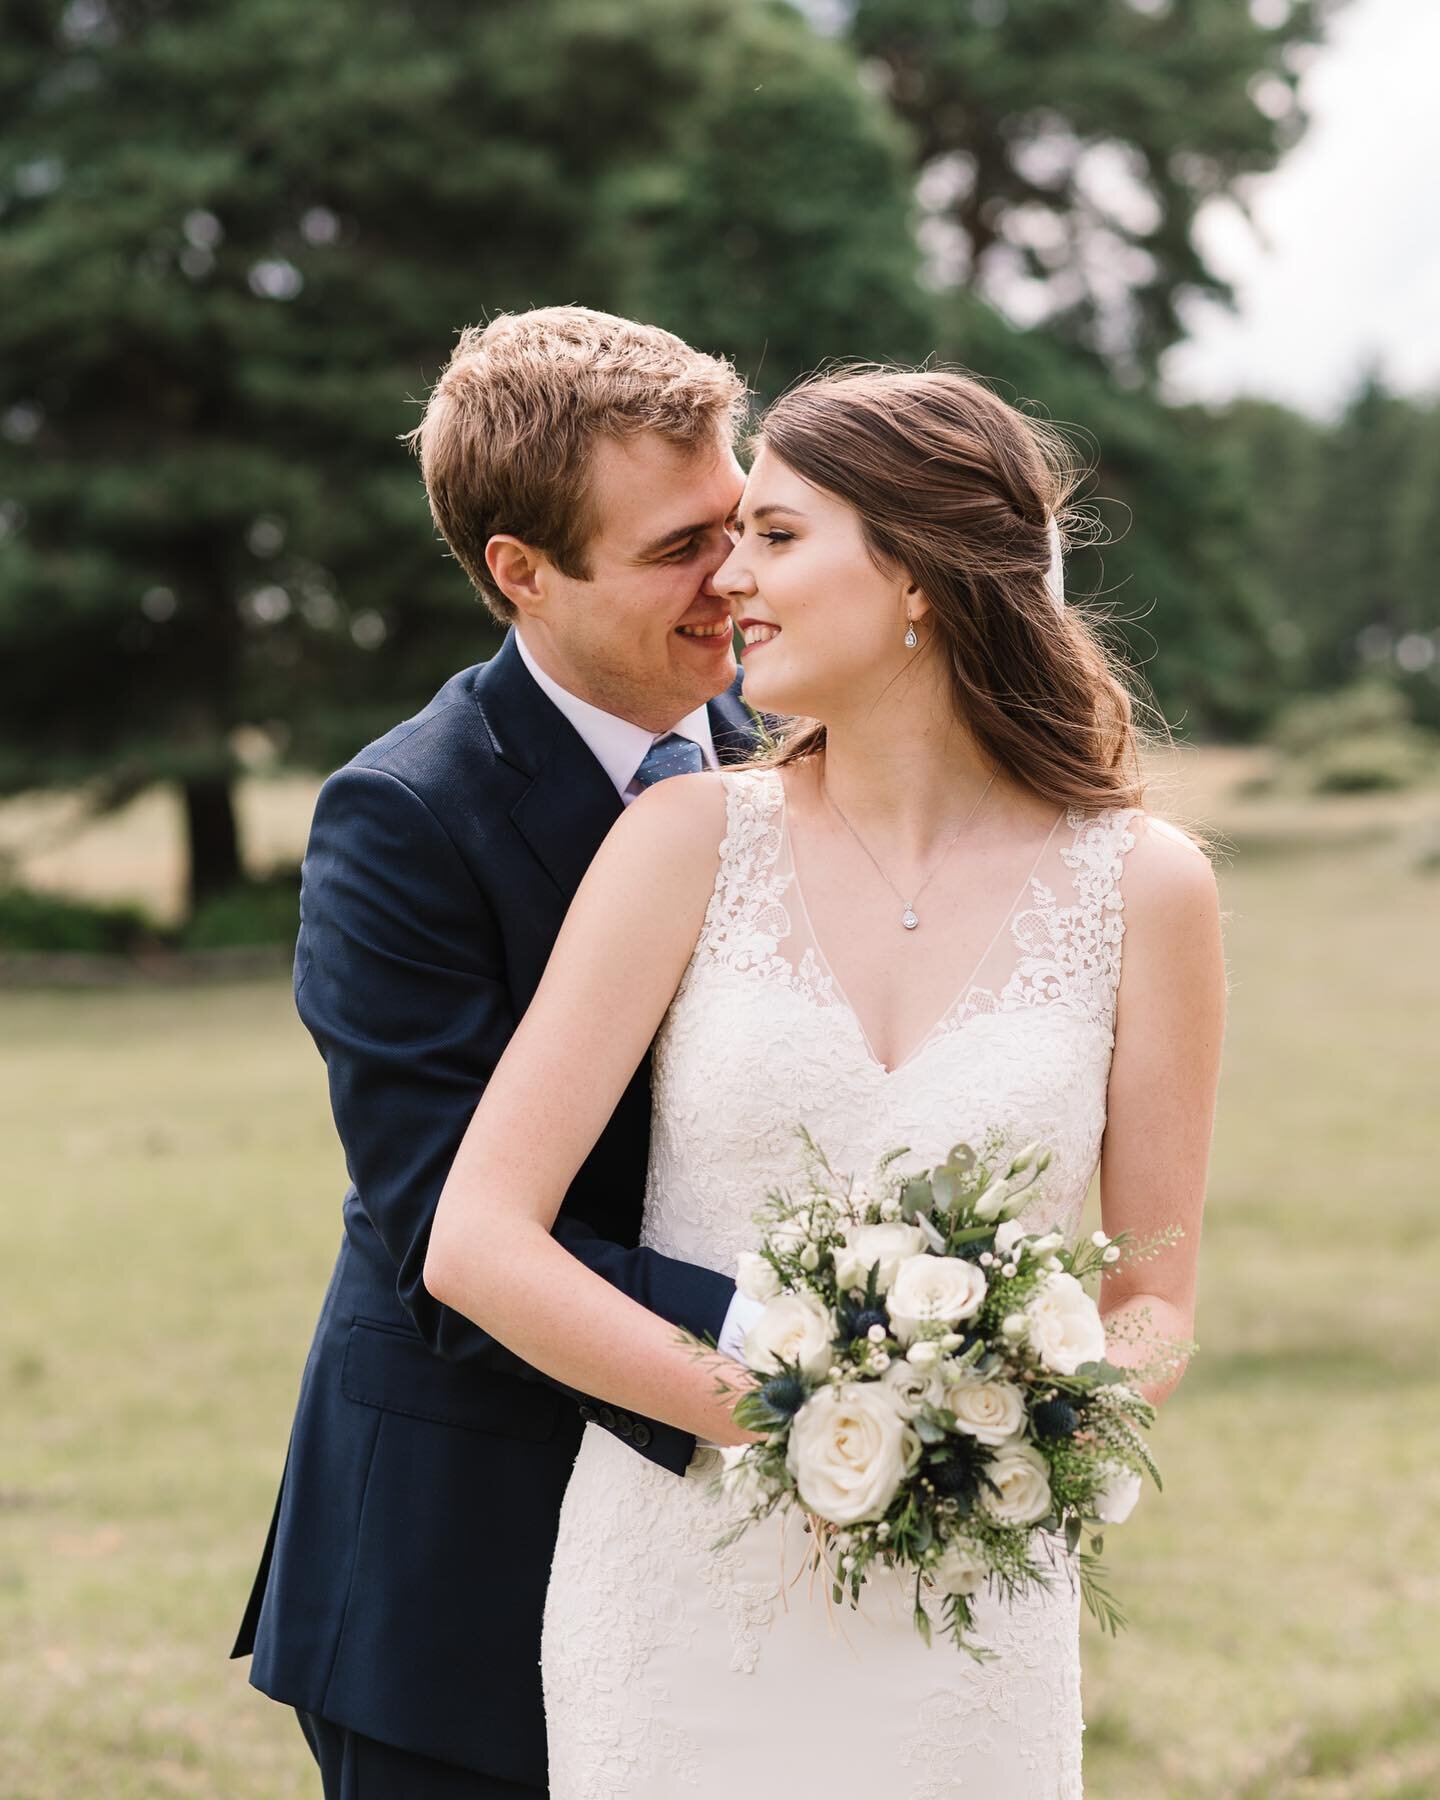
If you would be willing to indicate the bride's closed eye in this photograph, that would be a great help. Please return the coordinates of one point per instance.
(776, 537)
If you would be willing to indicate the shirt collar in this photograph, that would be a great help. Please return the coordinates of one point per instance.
(616, 744)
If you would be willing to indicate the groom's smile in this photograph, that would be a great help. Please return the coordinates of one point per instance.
(643, 634)
(711, 632)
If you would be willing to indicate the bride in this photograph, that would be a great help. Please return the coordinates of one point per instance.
(903, 927)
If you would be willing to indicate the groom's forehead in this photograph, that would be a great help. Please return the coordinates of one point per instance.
(644, 490)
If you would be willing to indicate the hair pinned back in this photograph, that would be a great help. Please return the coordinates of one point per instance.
(959, 490)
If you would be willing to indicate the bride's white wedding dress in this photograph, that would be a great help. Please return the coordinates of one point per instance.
(672, 1670)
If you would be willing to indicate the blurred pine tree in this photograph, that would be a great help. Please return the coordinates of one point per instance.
(236, 238)
(1066, 146)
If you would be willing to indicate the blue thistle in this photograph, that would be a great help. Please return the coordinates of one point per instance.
(1054, 1419)
(868, 1316)
(784, 1394)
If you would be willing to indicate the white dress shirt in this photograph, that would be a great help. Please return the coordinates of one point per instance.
(620, 747)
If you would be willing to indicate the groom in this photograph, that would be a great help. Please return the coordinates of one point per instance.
(581, 470)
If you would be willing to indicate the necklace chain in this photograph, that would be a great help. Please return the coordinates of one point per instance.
(908, 918)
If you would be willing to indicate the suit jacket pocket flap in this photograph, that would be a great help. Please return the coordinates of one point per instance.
(400, 1374)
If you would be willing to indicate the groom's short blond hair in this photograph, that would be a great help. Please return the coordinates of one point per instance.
(510, 428)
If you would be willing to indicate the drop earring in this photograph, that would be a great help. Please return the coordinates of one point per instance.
(910, 638)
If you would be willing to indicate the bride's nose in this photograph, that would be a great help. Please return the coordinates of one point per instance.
(733, 579)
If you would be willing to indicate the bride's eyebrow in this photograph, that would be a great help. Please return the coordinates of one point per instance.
(764, 512)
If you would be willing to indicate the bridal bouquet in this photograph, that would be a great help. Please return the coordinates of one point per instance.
(933, 1384)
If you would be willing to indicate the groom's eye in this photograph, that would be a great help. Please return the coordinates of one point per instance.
(681, 552)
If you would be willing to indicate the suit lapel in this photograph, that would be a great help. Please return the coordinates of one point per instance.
(731, 725)
(569, 804)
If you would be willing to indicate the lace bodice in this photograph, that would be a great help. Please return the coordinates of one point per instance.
(673, 1668)
(760, 1037)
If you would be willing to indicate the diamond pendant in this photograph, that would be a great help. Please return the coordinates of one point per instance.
(908, 919)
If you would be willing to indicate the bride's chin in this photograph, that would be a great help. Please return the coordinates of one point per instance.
(772, 693)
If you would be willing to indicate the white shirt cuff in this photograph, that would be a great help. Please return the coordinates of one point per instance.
(740, 1320)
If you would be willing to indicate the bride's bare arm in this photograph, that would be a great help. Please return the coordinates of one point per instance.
(1161, 1102)
(613, 972)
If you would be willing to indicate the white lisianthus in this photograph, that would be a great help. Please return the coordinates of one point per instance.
(1008, 1234)
(850, 1448)
(912, 1387)
(989, 1411)
(933, 1289)
(960, 1569)
(793, 1328)
(788, 1236)
(739, 1476)
(991, 1203)
(887, 1244)
(1115, 1502)
(754, 1276)
(1048, 1244)
(1021, 1474)
(1063, 1324)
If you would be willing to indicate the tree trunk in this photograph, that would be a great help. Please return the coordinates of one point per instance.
(213, 841)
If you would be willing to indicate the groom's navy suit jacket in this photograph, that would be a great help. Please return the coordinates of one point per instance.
(402, 1588)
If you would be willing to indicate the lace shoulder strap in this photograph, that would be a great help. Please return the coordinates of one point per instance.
(746, 917)
(1094, 927)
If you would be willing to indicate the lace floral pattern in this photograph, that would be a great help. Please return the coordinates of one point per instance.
(670, 1668)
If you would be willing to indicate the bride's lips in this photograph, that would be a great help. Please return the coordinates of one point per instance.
(756, 633)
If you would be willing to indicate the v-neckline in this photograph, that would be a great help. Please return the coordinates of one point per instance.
(787, 851)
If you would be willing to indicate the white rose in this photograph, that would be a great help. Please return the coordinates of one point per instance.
(887, 1244)
(754, 1276)
(1064, 1326)
(849, 1450)
(1115, 1502)
(793, 1328)
(912, 1387)
(960, 1569)
(1023, 1478)
(990, 1411)
(933, 1289)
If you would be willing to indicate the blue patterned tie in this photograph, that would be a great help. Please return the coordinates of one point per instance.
(672, 755)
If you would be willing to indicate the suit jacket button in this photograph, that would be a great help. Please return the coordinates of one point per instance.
(588, 1414)
(607, 1418)
(642, 1434)
(624, 1424)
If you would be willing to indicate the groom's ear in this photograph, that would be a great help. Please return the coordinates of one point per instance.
(517, 571)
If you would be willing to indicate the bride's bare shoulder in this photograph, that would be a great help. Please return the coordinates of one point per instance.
(672, 832)
(1165, 865)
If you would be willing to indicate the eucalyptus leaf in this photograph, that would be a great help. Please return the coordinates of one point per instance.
(945, 1185)
(916, 1198)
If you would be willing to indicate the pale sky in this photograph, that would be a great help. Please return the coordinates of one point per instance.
(1349, 269)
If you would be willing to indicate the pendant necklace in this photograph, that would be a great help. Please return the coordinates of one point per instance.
(908, 917)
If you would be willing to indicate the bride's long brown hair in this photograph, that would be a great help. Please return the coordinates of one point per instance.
(957, 488)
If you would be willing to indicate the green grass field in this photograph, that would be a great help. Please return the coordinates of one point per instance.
(169, 1216)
